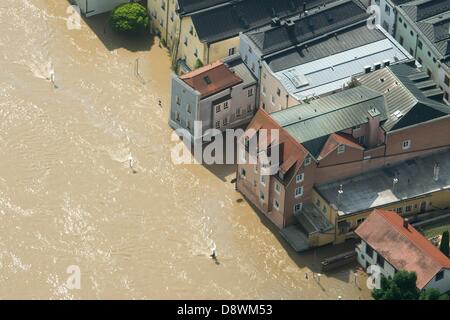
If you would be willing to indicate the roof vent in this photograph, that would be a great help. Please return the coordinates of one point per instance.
(386, 62)
(398, 114)
(367, 69)
(276, 21)
(377, 66)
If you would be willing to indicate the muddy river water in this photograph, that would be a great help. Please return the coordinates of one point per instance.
(69, 198)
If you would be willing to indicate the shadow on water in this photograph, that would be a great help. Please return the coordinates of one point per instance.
(112, 40)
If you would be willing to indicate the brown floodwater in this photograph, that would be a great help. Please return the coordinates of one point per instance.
(68, 196)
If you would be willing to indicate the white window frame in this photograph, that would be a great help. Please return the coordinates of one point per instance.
(276, 204)
(300, 177)
(298, 195)
(307, 160)
(277, 186)
(262, 180)
(300, 204)
(406, 144)
(341, 149)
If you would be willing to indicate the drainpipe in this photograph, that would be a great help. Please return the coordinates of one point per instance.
(287, 101)
(207, 57)
(167, 21)
(258, 86)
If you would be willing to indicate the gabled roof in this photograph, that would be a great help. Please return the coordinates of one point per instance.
(311, 122)
(292, 153)
(327, 19)
(232, 17)
(404, 248)
(335, 140)
(190, 6)
(408, 93)
(211, 79)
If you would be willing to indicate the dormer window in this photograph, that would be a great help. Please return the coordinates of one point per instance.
(299, 178)
(307, 161)
(341, 149)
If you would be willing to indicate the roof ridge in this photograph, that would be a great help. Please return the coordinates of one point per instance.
(413, 241)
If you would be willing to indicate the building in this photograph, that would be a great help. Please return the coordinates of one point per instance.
(392, 244)
(423, 29)
(314, 54)
(220, 95)
(206, 31)
(388, 13)
(387, 117)
(93, 7)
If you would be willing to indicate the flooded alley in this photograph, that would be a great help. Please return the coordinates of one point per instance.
(75, 107)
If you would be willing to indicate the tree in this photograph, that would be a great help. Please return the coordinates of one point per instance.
(433, 294)
(198, 64)
(129, 18)
(401, 287)
(444, 243)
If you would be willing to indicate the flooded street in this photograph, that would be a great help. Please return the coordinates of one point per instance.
(68, 196)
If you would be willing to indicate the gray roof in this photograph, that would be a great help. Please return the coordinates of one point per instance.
(408, 94)
(353, 37)
(432, 19)
(325, 20)
(309, 122)
(375, 188)
(238, 66)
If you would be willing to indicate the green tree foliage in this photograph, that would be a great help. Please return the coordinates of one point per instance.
(401, 287)
(444, 243)
(129, 18)
(198, 64)
(433, 294)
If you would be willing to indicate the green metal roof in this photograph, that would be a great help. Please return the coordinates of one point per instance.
(310, 121)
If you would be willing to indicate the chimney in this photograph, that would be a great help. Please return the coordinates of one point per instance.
(340, 194)
(394, 184)
(405, 223)
(436, 171)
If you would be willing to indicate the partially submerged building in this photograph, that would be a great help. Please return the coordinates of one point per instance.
(392, 244)
(316, 53)
(390, 116)
(93, 7)
(220, 96)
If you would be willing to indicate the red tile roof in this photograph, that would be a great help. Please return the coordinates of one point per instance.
(211, 79)
(336, 139)
(292, 152)
(404, 248)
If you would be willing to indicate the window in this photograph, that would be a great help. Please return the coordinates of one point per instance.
(188, 108)
(276, 204)
(225, 105)
(440, 275)
(401, 40)
(255, 168)
(341, 149)
(238, 112)
(408, 208)
(411, 33)
(419, 59)
(399, 210)
(177, 116)
(278, 92)
(369, 250)
(318, 203)
(419, 44)
(185, 41)
(360, 220)
(218, 108)
(272, 99)
(178, 100)
(225, 121)
(446, 96)
(400, 20)
(249, 108)
(406, 144)
(277, 188)
(298, 192)
(299, 178)
(307, 161)
(217, 124)
(261, 196)
(361, 140)
(231, 51)
(298, 207)
(250, 92)
(263, 90)
(191, 29)
(262, 180)
(380, 260)
(188, 125)
(387, 10)
(447, 81)
(356, 128)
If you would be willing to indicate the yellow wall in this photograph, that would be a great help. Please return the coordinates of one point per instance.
(220, 50)
(434, 201)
